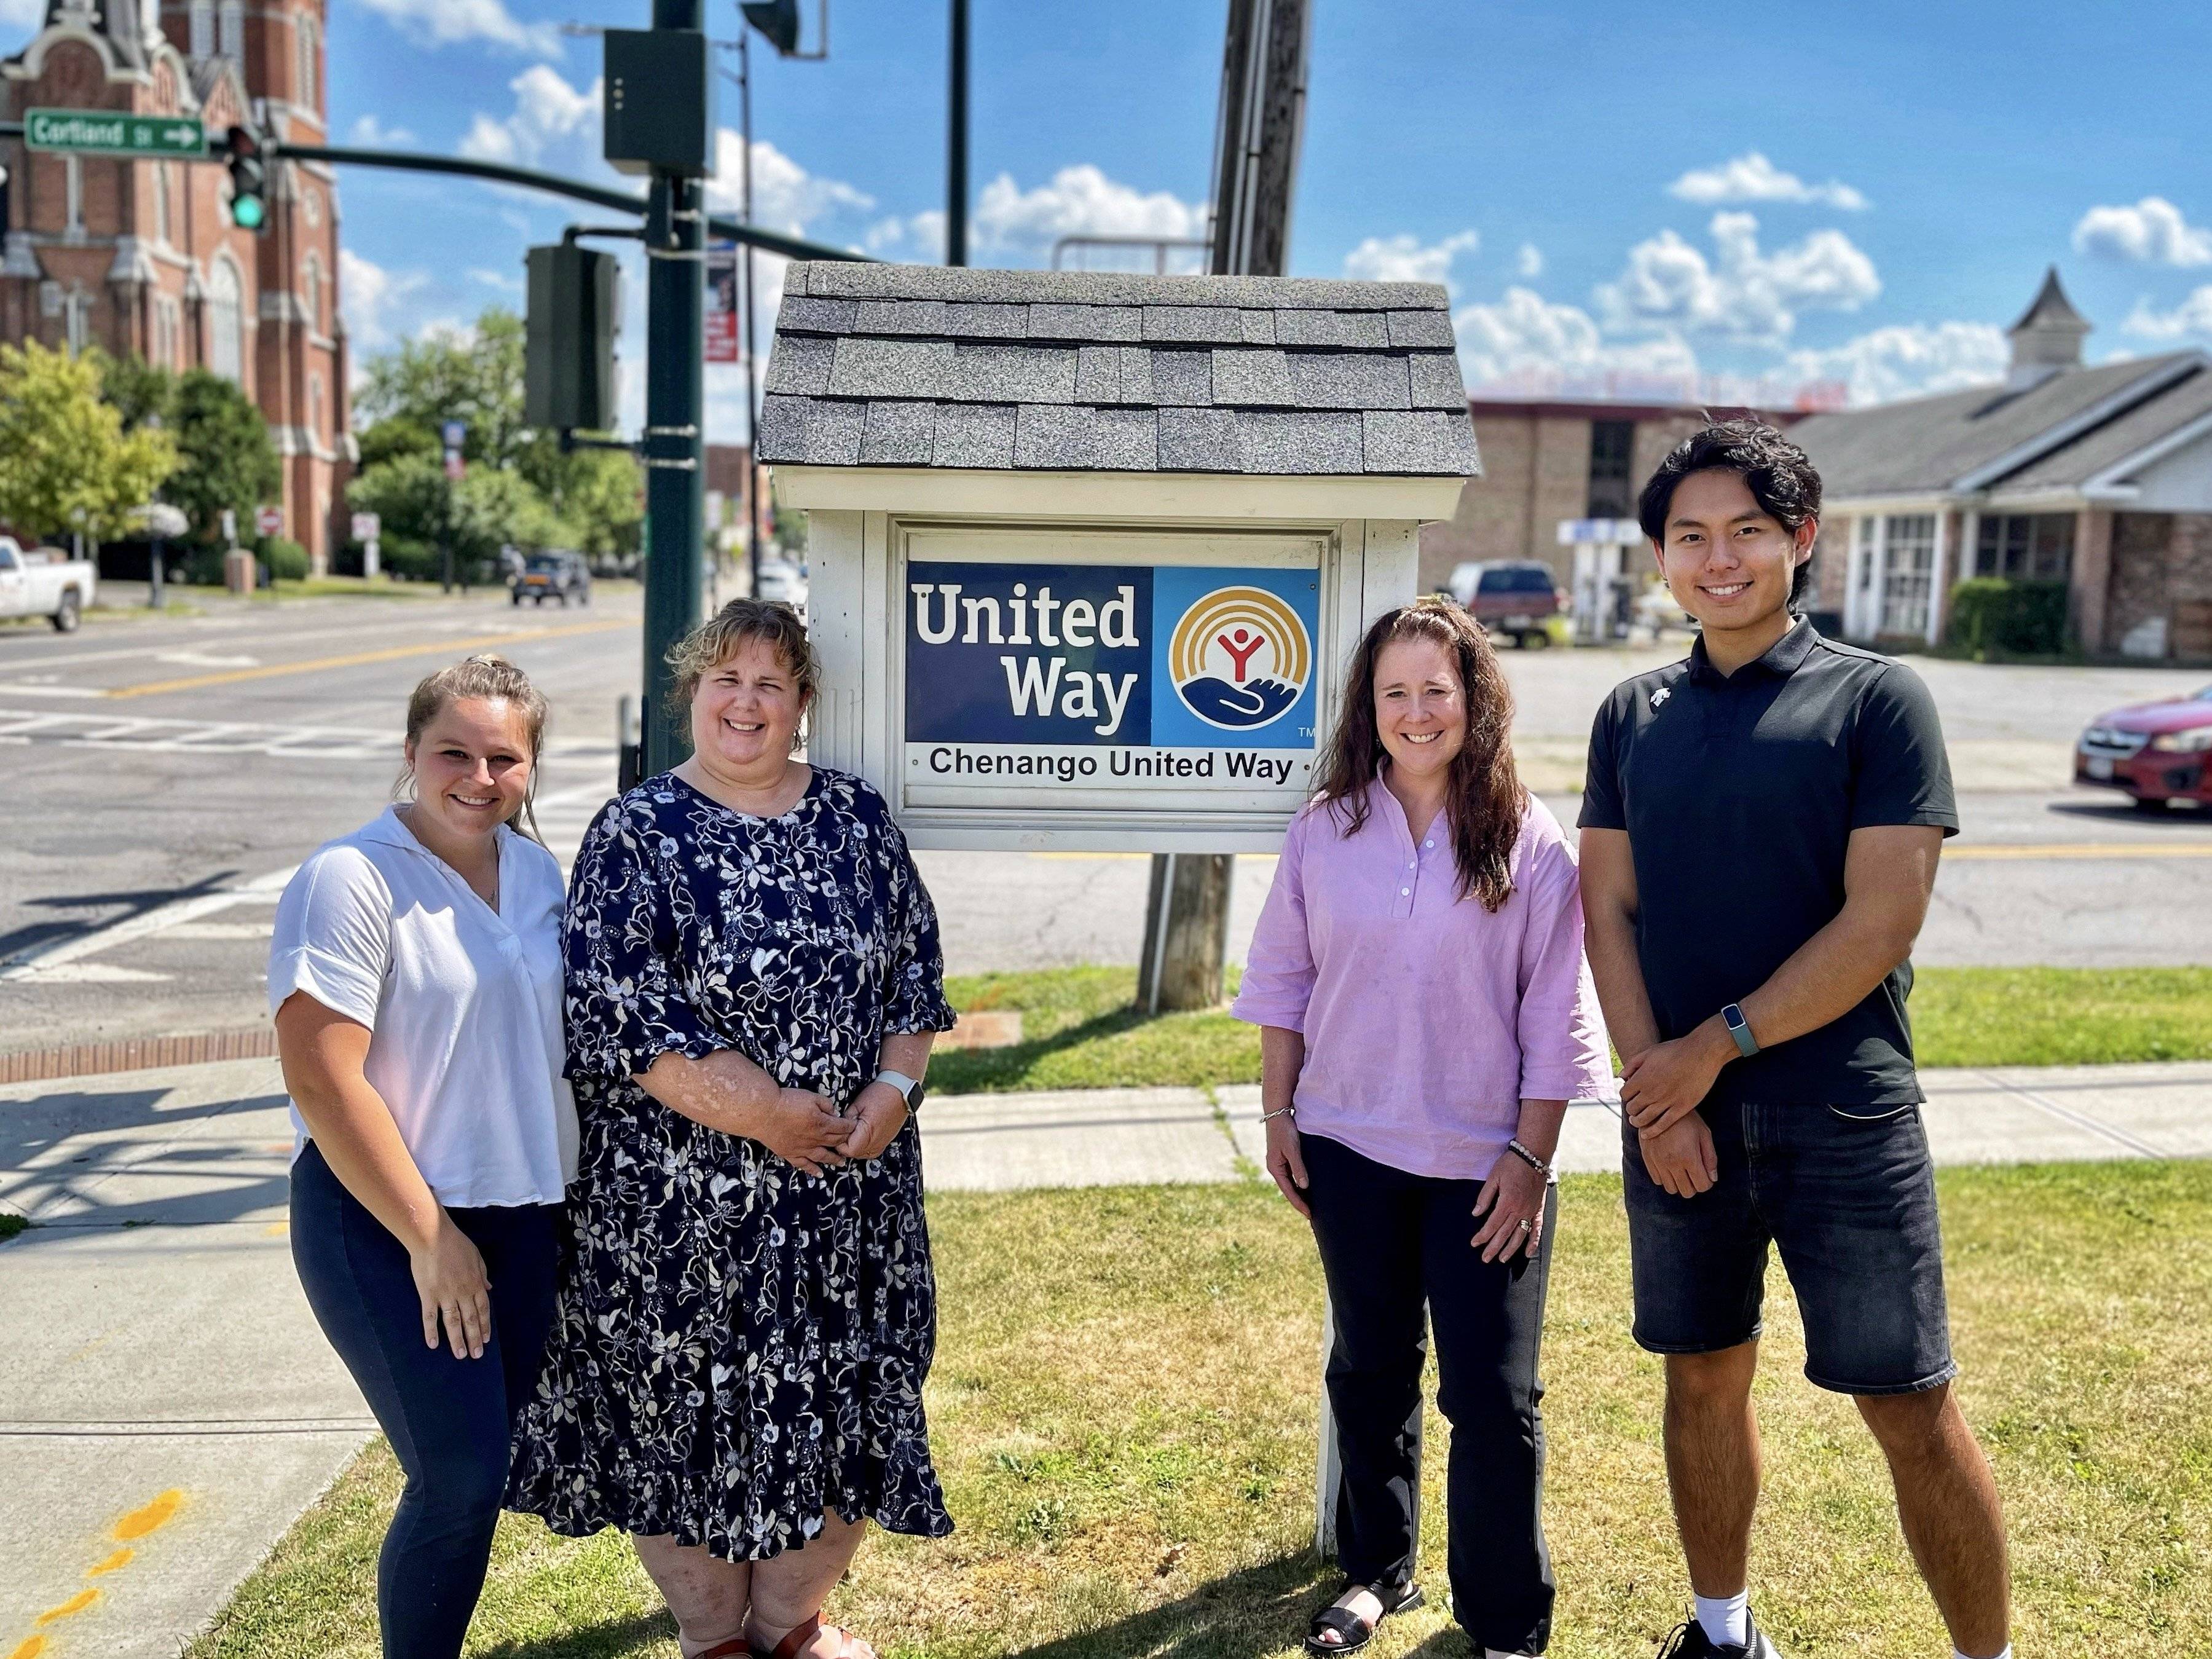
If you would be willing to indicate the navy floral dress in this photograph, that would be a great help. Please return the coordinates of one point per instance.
(738, 1346)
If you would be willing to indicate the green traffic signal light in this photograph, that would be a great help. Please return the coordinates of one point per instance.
(249, 209)
(249, 212)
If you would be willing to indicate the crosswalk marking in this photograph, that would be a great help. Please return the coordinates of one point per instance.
(178, 736)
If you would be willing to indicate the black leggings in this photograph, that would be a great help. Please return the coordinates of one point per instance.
(1391, 1242)
(449, 1420)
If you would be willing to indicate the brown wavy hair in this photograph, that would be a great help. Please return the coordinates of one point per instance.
(1484, 804)
(491, 677)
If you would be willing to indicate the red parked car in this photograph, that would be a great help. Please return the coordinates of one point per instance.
(2156, 751)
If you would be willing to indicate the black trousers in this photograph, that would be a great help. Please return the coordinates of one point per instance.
(1390, 1243)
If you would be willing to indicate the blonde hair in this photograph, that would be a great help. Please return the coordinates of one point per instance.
(716, 640)
(490, 678)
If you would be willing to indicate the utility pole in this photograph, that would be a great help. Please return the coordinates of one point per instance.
(1262, 117)
(746, 305)
(956, 143)
(673, 449)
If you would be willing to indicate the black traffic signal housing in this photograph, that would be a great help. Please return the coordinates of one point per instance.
(658, 107)
(776, 20)
(249, 181)
(574, 298)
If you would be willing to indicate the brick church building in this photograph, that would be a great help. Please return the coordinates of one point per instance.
(140, 257)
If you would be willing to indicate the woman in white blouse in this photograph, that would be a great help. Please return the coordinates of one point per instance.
(416, 978)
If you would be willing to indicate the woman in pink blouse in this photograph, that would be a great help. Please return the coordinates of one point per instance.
(1426, 1015)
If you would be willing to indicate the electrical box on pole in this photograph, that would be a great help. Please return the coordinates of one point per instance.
(659, 101)
(568, 357)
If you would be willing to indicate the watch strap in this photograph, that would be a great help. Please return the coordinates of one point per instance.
(909, 1088)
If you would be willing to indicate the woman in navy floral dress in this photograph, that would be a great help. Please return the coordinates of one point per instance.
(748, 1309)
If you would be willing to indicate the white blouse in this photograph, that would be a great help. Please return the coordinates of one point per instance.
(463, 1004)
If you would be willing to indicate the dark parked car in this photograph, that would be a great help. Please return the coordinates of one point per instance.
(545, 576)
(2156, 751)
(1513, 599)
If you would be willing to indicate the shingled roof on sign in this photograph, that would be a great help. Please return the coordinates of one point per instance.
(1097, 371)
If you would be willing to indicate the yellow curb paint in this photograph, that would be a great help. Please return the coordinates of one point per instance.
(150, 1518)
(70, 1608)
(458, 647)
(276, 1230)
(120, 1559)
(30, 1648)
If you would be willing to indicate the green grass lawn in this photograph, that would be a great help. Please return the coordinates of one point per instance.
(1123, 1412)
(1081, 1030)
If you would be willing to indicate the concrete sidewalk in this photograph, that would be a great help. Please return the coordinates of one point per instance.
(168, 1407)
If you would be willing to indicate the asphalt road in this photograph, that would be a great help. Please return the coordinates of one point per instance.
(163, 774)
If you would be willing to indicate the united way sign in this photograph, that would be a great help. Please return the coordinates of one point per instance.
(1050, 675)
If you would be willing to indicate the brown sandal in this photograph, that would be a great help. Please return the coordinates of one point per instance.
(799, 1635)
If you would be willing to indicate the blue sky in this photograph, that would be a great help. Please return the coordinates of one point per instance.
(1853, 198)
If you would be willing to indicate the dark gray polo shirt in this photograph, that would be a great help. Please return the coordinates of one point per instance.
(1739, 794)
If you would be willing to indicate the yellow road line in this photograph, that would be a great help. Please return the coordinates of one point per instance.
(2109, 850)
(392, 653)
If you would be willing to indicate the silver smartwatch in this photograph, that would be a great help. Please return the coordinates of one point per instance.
(909, 1088)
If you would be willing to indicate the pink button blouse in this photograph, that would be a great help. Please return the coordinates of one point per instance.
(1427, 1018)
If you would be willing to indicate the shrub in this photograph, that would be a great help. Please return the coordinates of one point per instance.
(287, 560)
(2016, 618)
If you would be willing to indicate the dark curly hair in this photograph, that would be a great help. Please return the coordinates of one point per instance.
(1485, 802)
(1780, 476)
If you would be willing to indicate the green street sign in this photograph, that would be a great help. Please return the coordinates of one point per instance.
(98, 132)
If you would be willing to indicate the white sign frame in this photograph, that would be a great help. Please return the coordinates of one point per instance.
(857, 612)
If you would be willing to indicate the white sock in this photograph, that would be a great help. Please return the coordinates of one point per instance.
(1500, 1653)
(1726, 1619)
(2006, 1654)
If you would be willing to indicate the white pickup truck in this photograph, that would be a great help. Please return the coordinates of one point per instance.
(31, 586)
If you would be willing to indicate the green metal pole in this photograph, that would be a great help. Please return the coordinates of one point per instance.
(675, 405)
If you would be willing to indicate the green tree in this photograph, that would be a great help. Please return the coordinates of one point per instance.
(411, 391)
(139, 392)
(66, 462)
(229, 459)
(424, 511)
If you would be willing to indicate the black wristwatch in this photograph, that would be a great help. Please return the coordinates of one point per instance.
(910, 1088)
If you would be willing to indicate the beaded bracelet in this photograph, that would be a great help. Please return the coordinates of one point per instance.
(1528, 1158)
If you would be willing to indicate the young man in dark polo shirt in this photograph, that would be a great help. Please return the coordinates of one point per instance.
(1759, 831)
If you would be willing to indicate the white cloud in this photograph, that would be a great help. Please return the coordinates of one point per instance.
(1529, 263)
(1752, 178)
(2153, 232)
(915, 238)
(368, 130)
(1080, 201)
(548, 117)
(22, 14)
(446, 22)
(1405, 258)
(1526, 341)
(504, 280)
(2192, 316)
(1741, 293)
(370, 295)
(1908, 360)
(785, 195)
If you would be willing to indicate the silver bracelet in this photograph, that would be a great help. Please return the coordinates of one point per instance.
(1284, 1111)
(1529, 1158)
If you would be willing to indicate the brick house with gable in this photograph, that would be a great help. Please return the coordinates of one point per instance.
(140, 257)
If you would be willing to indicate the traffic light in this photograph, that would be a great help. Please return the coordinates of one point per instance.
(569, 339)
(777, 20)
(249, 204)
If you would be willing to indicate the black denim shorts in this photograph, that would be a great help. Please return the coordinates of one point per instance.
(1847, 1194)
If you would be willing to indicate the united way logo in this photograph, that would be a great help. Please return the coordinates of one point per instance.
(1239, 658)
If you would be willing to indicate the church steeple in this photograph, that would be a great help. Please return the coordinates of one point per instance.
(2048, 336)
(131, 27)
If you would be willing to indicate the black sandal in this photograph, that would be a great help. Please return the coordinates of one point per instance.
(1355, 1631)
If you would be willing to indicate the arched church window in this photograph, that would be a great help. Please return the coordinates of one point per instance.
(234, 30)
(161, 203)
(311, 293)
(203, 32)
(226, 322)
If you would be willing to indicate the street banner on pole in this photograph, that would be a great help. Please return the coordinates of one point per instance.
(97, 132)
(722, 303)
